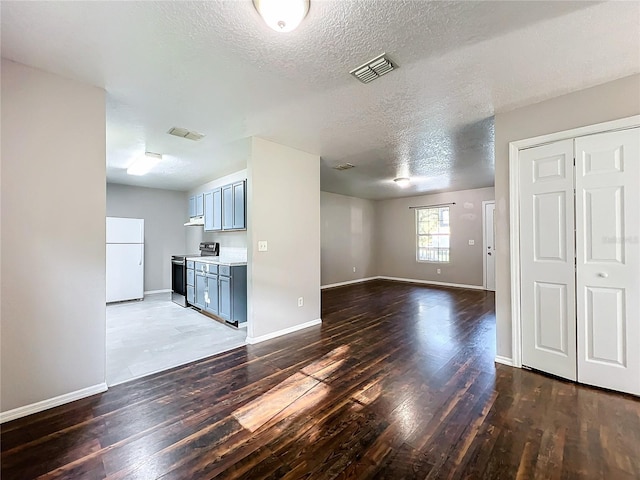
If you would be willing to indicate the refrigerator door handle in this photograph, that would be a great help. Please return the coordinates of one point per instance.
(141, 253)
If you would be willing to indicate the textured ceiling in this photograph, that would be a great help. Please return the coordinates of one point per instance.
(214, 67)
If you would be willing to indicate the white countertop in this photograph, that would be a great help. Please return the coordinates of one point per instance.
(231, 261)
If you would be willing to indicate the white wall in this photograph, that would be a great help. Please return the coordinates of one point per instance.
(348, 235)
(195, 235)
(53, 236)
(283, 209)
(164, 213)
(396, 232)
(610, 101)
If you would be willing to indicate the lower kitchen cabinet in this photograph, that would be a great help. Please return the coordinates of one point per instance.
(212, 294)
(221, 291)
(232, 287)
(224, 287)
(200, 290)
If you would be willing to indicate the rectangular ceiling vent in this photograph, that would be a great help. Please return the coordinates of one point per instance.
(344, 166)
(373, 69)
(184, 133)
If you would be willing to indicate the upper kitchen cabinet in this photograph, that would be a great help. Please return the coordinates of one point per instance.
(192, 207)
(200, 205)
(213, 210)
(234, 206)
(196, 206)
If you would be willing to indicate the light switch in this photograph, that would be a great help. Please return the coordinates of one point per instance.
(262, 246)
(472, 242)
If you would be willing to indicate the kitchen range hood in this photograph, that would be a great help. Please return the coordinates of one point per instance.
(195, 222)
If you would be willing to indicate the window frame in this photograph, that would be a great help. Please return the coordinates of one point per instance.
(418, 234)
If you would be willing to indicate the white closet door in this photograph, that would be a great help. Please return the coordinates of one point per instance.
(547, 259)
(608, 259)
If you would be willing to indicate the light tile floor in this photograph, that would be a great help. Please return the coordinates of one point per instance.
(155, 334)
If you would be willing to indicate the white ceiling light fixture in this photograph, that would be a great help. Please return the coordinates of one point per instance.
(143, 164)
(402, 182)
(282, 15)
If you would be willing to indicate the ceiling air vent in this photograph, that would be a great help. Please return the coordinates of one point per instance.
(184, 133)
(373, 69)
(344, 166)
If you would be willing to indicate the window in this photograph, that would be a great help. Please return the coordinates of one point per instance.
(432, 227)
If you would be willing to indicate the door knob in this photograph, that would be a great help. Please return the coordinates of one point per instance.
(603, 275)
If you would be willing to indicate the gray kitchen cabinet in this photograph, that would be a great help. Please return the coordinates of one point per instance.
(191, 294)
(222, 291)
(224, 286)
(192, 206)
(232, 294)
(211, 305)
(200, 205)
(234, 206)
(239, 203)
(213, 210)
(196, 205)
(227, 207)
(200, 290)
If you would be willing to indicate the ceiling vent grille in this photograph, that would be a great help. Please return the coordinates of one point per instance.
(184, 133)
(344, 166)
(373, 69)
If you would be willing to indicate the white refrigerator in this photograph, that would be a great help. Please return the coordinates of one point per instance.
(125, 259)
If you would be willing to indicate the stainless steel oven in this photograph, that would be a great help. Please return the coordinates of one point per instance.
(179, 280)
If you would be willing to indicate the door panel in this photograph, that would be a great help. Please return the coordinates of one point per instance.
(608, 259)
(225, 297)
(208, 211)
(603, 213)
(124, 272)
(212, 290)
(125, 230)
(238, 205)
(201, 289)
(550, 317)
(547, 259)
(605, 326)
(217, 209)
(227, 207)
(550, 235)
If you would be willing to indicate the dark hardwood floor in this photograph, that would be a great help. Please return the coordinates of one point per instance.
(399, 382)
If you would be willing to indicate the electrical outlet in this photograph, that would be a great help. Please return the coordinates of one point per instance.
(438, 271)
(472, 242)
(262, 246)
(354, 269)
(300, 301)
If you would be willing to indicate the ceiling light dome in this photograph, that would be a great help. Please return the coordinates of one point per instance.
(282, 15)
(402, 182)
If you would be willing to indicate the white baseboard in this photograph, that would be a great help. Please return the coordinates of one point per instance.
(430, 282)
(504, 360)
(151, 292)
(348, 282)
(51, 402)
(295, 328)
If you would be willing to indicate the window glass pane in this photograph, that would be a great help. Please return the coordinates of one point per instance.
(432, 228)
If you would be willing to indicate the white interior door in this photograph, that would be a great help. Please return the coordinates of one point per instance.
(547, 265)
(608, 259)
(489, 247)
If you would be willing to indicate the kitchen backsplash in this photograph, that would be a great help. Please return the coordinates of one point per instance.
(233, 254)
